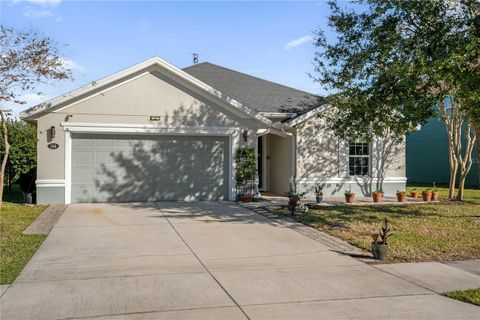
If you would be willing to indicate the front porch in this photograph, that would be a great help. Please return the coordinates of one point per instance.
(275, 162)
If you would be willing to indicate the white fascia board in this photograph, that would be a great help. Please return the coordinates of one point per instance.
(50, 104)
(308, 115)
(281, 133)
(146, 129)
(278, 115)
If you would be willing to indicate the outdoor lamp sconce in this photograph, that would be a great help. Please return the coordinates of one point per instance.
(245, 135)
(52, 132)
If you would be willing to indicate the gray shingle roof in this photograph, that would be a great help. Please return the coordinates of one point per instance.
(255, 93)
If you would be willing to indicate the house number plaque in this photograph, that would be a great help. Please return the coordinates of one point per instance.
(53, 146)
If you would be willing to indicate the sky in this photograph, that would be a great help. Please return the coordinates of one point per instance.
(270, 40)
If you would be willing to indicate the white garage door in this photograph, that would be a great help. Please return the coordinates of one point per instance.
(126, 168)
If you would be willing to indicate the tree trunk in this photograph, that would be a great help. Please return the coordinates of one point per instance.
(5, 155)
(465, 159)
(477, 135)
(451, 125)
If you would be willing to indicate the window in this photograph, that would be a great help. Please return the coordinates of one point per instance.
(358, 158)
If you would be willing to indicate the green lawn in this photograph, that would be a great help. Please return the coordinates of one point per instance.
(470, 296)
(470, 195)
(16, 249)
(436, 232)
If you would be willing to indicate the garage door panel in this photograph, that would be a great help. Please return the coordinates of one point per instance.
(83, 175)
(148, 168)
(83, 157)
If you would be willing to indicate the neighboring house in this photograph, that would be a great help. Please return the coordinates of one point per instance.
(156, 132)
(427, 156)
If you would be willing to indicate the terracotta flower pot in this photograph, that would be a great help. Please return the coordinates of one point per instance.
(414, 194)
(377, 197)
(350, 197)
(427, 196)
(246, 197)
(434, 196)
(401, 197)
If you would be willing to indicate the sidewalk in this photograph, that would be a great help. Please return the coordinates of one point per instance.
(435, 276)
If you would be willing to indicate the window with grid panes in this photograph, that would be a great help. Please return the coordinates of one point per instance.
(358, 158)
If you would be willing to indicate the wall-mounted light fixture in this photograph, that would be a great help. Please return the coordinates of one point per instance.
(52, 132)
(245, 135)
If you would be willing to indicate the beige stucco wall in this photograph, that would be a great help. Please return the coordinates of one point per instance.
(133, 102)
(319, 153)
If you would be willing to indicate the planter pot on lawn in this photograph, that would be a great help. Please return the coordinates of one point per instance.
(379, 251)
(350, 198)
(427, 196)
(414, 194)
(319, 199)
(377, 197)
(435, 196)
(401, 197)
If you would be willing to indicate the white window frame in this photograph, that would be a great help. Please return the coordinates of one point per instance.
(369, 157)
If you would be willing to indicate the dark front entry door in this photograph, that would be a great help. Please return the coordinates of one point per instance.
(260, 162)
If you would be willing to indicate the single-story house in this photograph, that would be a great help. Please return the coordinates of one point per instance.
(155, 132)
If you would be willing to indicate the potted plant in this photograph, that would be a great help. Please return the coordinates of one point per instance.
(380, 242)
(401, 196)
(246, 197)
(349, 196)
(246, 170)
(27, 185)
(294, 197)
(434, 193)
(377, 195)
(414, 193)
(319, 193)
(427, 195)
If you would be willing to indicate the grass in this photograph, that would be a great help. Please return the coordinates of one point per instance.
(471, 296)
(16, 249)
(470, 195)
(437, 232)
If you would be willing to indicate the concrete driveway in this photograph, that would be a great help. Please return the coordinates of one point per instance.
(204, 261)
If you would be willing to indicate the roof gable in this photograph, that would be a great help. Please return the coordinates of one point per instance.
(126, 74)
